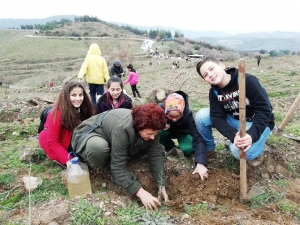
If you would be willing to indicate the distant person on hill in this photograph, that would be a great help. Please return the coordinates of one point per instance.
(258, 60)
(133, 79)
(72, 106)
(117, 69)
(223, 113)
(96, 71)
(114, 97)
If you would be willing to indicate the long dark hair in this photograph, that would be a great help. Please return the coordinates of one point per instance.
(71, 117)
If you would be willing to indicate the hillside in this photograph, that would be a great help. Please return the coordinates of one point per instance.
(8, 23)
(29, 63)
(242, 42)
(257, 41)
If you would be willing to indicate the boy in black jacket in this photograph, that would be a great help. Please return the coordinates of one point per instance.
(223, 113)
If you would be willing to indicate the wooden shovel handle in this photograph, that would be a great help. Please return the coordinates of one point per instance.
(290, 113)
(242, 119)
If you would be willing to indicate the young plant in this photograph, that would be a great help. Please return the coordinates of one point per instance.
(88, 214)
(268, 197)
(200, 208)
(232, 163)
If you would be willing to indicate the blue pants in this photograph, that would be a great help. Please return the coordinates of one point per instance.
(95, 89)
(204, 126)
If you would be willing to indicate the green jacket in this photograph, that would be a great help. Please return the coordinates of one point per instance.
(117, 129)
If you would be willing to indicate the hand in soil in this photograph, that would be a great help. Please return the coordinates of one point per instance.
(162, 194)
(148, 200)
(201, 170)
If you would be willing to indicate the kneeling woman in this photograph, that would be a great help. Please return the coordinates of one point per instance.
(72, 106)
(122, 133)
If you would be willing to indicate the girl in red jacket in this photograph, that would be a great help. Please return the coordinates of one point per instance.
(72, 106)
(133, 79)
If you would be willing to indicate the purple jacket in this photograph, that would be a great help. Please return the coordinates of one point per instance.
(133, 78)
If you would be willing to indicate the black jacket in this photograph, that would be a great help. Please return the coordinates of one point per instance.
(225, 101)
(103, 104)
(116, 70)
(187, 125)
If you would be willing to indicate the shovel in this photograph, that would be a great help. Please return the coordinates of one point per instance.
(288, 116)
(254, 191)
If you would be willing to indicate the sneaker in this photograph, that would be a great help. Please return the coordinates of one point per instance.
(139, 96)
(177, 152)
(257, 161)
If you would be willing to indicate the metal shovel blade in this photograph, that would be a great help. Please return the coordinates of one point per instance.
(254, 192)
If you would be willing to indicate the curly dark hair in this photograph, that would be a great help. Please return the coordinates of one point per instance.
(70, 116)
(148, 116)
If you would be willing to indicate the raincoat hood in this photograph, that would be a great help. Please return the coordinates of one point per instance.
(94, 49)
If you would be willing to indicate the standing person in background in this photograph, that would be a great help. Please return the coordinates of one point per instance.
(96, 71)
(133, 79)
(72, 106)
(258, 60)
(223, 113)
(114, 97)
(117, 69)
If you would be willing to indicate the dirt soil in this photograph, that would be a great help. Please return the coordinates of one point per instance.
(220, 190)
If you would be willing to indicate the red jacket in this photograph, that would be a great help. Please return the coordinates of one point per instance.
(55, 140)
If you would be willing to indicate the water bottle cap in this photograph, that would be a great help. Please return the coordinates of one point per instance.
(75, 160)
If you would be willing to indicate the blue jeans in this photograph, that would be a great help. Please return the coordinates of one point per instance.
(204, 126)
(95, 89)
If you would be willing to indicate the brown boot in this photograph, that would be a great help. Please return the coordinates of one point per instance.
(257, 161)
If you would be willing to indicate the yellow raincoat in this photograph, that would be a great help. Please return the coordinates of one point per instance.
(94, 66)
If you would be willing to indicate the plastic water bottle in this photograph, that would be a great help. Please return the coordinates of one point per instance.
(78, 179)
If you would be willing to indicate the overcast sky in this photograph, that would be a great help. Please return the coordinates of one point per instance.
(231, 16)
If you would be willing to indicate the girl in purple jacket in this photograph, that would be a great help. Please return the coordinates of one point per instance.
(133, 79)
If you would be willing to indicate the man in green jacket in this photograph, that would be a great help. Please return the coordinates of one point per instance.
(96, 71)
(122, 133)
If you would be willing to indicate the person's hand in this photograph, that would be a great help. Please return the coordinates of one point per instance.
(68, 163)
(162, 194)
(201, 170)
(242, 142)
(167, 127)
(147, 199)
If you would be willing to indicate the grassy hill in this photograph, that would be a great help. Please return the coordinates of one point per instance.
(29, 63)
(257, 41)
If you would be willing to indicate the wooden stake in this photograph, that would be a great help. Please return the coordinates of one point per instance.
(289, 114)
(242, 119)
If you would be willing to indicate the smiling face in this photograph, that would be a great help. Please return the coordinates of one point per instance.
(115, 90)
(76, 96)
(148, 134)
(213, 73)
